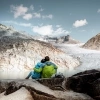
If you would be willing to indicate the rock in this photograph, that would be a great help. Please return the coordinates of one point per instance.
(95, 89)
(53, 83)
(85, 82)
(3, 86)
(67, 39)
(37, 91)
(21, 94)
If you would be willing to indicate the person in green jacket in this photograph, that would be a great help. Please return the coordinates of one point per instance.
(49, 69)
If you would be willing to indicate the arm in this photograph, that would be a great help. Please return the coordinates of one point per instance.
(37, 69)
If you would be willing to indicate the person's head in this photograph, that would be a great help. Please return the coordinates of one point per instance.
(43, 61)
(47, 58)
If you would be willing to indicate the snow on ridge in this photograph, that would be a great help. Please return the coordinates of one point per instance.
(13, 33)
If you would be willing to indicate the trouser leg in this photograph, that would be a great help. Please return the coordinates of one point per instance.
(30, 74)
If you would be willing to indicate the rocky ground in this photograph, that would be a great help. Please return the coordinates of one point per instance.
(34, 90)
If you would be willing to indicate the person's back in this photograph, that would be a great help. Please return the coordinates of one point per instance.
(37, 70)
(49, 69)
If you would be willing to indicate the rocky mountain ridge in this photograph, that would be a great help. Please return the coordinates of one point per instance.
(67, 39)
(11, 32)
(93, 43)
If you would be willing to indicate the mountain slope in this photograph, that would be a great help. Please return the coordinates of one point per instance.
(11, 32)
(68, 39)
(93, 43)
(18, 55)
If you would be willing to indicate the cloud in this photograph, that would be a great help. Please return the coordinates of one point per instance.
(31, 7)
(22, 11)
(98, 11)
(43, 30)
(47, 16)
(58, 25)
(27, 16)
(61, 31)
(48, 30)
(41, 9)
(80, 23)
(18, 10)
(82, 30)
(36, 15)
(20, 24)
(25, 24)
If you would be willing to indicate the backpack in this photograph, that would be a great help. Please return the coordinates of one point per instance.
(48, 71)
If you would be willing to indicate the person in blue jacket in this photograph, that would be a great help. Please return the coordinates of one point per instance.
(36, 74)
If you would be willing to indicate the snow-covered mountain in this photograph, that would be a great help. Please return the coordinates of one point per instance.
(89, 59)
(19, 54)
(11, 32)
(67, 39)
(93, 43)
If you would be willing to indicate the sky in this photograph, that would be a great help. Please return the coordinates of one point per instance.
(78, 18)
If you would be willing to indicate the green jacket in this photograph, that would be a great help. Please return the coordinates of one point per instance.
(49, 69)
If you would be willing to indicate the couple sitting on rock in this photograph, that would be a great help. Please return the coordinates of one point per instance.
(43, 69)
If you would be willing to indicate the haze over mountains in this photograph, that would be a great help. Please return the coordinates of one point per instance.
(61, 39)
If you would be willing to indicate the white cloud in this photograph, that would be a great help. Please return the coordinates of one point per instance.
(32, 7)
(41, 9)
(47, 16)
(20, 24)
(27, 16)
(22, 11)
(61, 31)
(80, 23)
(43, 30)
(36, 15)
(70, 14)
(98, 11)
(48, 30)
(18, 10)
(58, 25)
(93, 30)
(82, 30)
(25, 24)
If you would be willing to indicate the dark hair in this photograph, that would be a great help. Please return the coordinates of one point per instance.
(43, 61)
(47, 58)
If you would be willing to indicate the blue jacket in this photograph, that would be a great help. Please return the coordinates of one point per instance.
(37, 70)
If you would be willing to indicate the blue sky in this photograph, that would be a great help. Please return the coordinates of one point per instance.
(78, 18)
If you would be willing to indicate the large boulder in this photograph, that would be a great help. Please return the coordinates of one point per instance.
(87, 82)
(95, 89)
